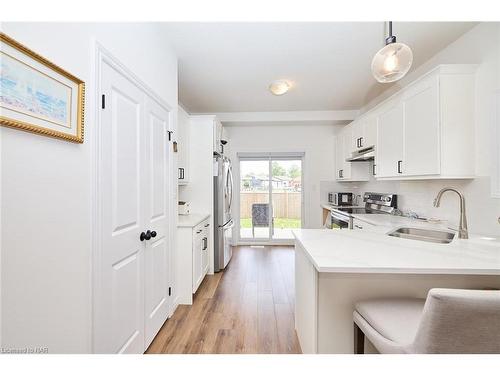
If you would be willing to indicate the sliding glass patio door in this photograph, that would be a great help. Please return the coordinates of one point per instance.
(270, 196)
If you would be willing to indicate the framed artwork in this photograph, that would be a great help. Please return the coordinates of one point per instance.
(38, 96)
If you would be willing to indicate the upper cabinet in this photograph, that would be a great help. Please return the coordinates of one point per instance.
(217, 136)
(364, 133)
(426, 130)
(344, 170)
(495, 186)
(408, 133)
(421, 139)
(389, 151)
(183, 125)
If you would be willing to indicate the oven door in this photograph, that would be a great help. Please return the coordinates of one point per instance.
(339, 221)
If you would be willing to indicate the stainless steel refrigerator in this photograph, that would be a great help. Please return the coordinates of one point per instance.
(223, 220)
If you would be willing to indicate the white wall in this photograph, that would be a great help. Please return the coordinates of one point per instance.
(316, 141)
(480, 46)
(46, 185)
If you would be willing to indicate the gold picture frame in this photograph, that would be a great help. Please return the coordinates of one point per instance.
(38, 96)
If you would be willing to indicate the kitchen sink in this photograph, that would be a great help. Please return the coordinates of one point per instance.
(427, 235)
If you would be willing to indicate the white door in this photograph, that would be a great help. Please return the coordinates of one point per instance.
(132, 299)
(121, 292)
(390, 142)
(156, 206)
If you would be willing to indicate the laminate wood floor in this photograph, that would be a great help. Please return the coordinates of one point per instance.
(248, 308)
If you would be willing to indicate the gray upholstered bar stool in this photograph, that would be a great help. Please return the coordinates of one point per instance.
(448, 321)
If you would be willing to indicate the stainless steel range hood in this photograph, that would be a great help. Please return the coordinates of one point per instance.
(363, 155)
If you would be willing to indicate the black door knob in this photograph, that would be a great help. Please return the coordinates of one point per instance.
(153, 234)
(145, 236)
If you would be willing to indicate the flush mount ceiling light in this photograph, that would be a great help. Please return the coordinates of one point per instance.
(393, 61)
(279, 87)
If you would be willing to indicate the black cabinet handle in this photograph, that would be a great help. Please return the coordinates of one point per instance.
(145, 236)
(153, 234)
(181, 173)
(373, 169)
(205, 243)
(207, 225)
(361, 142)
(198, 231)
(400, 162)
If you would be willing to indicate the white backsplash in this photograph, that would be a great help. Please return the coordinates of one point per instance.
(418, 196)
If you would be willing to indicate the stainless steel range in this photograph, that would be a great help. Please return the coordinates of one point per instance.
(375, 203)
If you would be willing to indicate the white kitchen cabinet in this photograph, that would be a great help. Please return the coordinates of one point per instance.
(364, 133)
(389, 151)
(198, 242)
(217, 136)
(357, 135)
(346, 152)
(344, 170)
(495, 186)
(421, 128)
(183, 131)
(194, 247)
(426, 131)
(200, 190)
(369, 135)
(358, 224)
(205, 245)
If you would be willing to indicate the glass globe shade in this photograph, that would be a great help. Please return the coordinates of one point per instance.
(392, 62)
(279, 87)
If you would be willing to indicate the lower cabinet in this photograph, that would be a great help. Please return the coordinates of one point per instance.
(363, 225)
(194, 246)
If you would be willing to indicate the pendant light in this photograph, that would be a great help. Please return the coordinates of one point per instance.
(393, 61)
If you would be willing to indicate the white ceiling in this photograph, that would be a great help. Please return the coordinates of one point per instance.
(227, 67)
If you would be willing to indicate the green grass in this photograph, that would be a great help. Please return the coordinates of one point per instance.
(280, 222)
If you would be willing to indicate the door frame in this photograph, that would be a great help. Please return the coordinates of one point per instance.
(101, 56)
(268, 156)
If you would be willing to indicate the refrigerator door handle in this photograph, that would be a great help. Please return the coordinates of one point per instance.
(225, 225)
(230, 175)
(230, 226)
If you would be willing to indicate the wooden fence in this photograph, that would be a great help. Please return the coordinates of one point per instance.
(285, 204)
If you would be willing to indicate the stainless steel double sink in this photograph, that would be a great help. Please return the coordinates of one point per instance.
(427, 235)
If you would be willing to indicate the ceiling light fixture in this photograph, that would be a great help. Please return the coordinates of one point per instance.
(393, 61)
(279, 87)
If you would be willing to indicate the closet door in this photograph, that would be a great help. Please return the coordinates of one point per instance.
(133, 264)
(156, 181)
(120, 299)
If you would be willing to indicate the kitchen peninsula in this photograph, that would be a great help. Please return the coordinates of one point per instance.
(334, 269)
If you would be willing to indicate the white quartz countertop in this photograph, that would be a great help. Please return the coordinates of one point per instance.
(359, 251)
(191, 220)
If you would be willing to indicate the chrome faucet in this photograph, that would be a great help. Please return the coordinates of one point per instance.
(462, 226)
